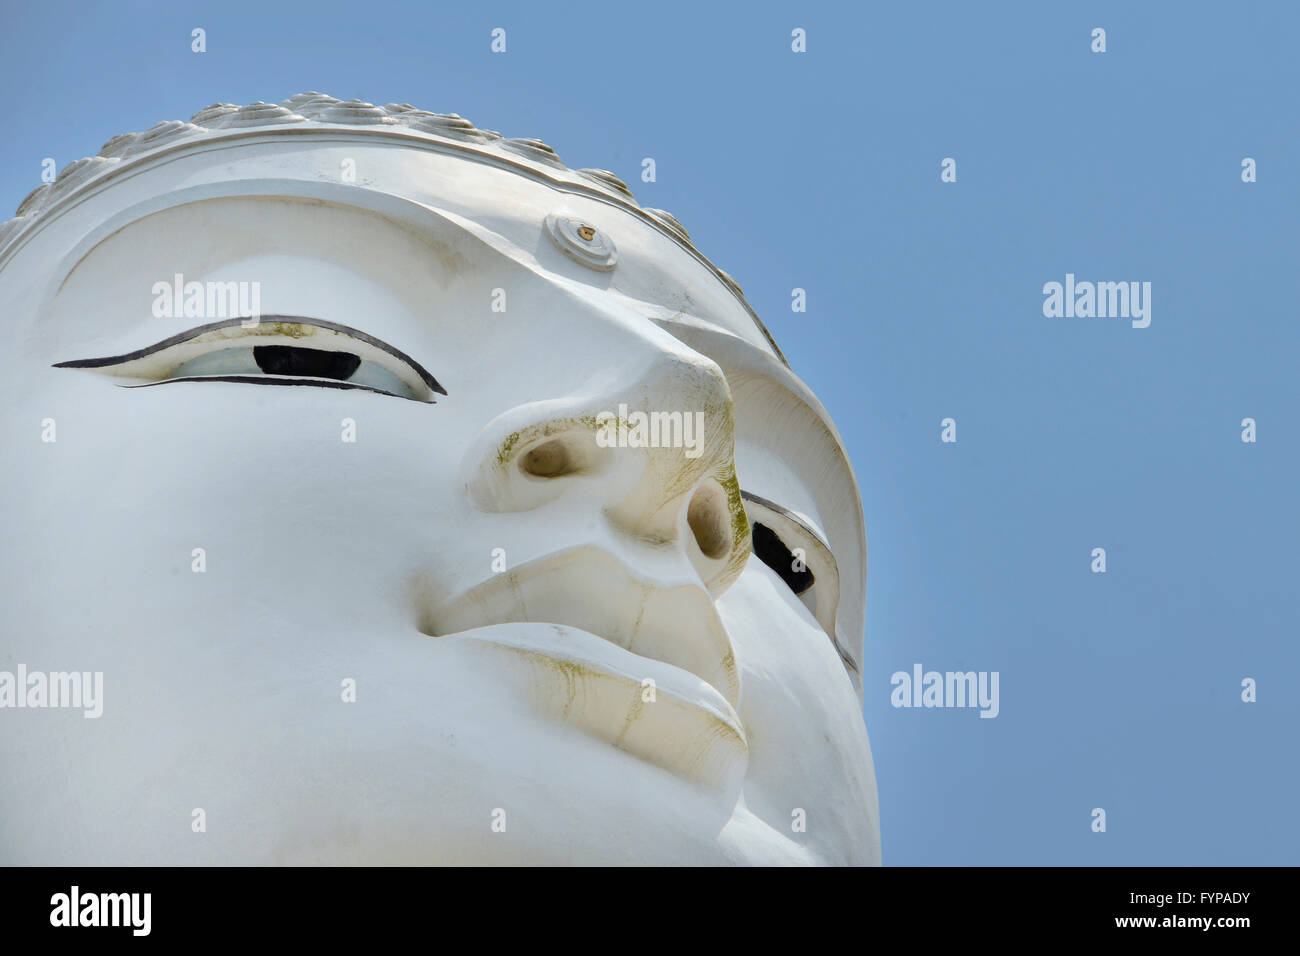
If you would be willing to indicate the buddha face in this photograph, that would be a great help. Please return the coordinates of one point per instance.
(471, 546)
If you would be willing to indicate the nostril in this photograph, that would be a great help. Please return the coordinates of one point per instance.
(571, 453)
(550, 459)
(709, 521)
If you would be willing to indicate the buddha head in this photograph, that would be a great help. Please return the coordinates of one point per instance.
(534, 551)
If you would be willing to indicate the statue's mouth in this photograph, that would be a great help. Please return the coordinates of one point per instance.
(650, 669)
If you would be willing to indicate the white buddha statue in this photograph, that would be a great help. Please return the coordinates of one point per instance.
(537, 553)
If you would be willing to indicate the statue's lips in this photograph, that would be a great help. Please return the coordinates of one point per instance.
(591, 590)
(649, 669)
(652, 710)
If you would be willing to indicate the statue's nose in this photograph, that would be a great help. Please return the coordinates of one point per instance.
(650, 447)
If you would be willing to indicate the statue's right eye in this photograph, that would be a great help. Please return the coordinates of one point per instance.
(277, 350)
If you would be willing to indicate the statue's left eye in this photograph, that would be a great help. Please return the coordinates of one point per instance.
(788, 543)
(277, 350)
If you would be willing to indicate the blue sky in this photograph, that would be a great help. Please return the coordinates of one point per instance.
(821, 170)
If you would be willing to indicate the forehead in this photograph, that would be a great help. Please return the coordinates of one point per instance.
(500, 187)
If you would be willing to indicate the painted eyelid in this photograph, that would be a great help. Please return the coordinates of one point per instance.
(155, 363)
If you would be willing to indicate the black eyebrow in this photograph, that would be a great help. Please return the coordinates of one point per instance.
(419, 369)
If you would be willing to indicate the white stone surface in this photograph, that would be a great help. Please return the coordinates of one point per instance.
(478, 689)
